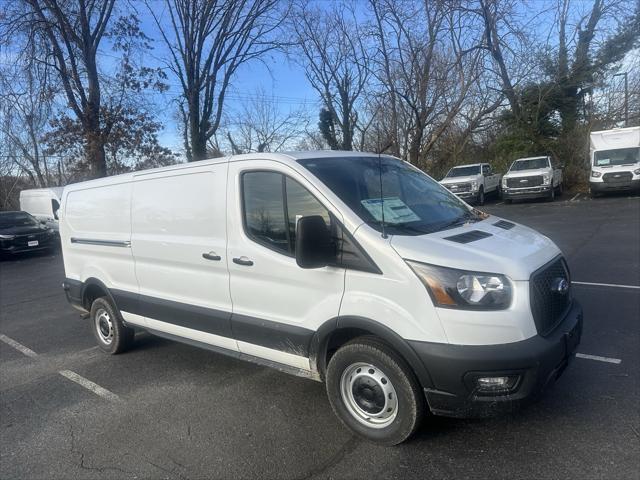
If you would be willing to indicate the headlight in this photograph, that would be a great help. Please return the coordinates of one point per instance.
(546, 178)
(452, 288)
(7, 237)
(504, 182)
(474, 185)
(636, 171)
(595, 174)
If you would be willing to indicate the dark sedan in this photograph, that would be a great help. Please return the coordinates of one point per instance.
(20, 232)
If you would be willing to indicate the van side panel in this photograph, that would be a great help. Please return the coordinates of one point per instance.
(95, 233)
(176, 218)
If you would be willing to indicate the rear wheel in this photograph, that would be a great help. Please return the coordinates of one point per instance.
(112, 335)
(373, 391)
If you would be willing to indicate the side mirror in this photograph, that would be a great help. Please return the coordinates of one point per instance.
(313, 242)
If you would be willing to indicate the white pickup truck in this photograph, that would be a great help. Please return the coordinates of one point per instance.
(472, 182)
(532, 177)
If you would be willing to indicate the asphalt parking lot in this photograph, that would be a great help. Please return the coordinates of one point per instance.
(173, 411)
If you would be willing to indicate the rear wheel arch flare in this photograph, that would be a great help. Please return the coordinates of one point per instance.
(92, 289)
(338, 331)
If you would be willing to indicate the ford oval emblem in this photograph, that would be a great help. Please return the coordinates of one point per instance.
(560, 285)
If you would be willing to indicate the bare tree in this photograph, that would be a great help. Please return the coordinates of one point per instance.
(428, 64)
(67, 36)
(330, 45)
(208, 41)
(26, 96)
(262, 125)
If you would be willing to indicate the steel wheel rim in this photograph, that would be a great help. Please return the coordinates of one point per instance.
(369, 395)
(104, 326)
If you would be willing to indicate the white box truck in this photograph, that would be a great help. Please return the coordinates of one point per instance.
(614, 157)
(354, 269)
(43, 204)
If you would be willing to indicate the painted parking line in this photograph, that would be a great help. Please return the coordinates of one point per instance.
(574, 197)
(599, 358)
(89, 385)
(18, 346)
(612, 285)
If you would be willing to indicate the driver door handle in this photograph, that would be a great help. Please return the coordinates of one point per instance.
(243, 261)
(211, 256)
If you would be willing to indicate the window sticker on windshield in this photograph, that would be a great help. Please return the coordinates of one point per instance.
(604, 161)
(395, 210)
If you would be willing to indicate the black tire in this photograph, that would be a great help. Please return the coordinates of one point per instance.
(552, 195)
(560, 189)
(410, 404)
(508, 201)
(111, 334)
(480, 200)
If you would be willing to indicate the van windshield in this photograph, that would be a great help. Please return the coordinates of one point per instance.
(412, 203)
(529, 164)
(464, 171)
(619, 156)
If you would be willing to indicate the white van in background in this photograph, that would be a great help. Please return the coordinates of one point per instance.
(43, 204)
(615, 160)
(354, 269)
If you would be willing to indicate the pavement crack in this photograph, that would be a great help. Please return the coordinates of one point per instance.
(348, 447)
(89, 468)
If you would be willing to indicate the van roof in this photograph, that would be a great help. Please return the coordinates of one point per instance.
(285, 157)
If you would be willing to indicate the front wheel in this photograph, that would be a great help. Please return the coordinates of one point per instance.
(373, 391)
(552, 195)
(480, 200)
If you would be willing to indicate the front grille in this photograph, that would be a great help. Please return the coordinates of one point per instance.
(459, 187)
(523, 182)
(22, 240)
(548, 306)
(615, 177)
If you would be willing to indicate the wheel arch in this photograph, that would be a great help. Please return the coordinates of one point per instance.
(338, 331)
(93, 288)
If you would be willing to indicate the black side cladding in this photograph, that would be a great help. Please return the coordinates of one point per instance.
(469, 237)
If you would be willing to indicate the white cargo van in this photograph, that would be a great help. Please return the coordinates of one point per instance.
(348, 268)
(615, 160)
(43, 204)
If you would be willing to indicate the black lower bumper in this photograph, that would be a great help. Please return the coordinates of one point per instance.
(603, 187)
(526, 193)
(536, 362)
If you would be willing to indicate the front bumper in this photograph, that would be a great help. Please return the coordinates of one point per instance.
(602, 187)
(11, 247)
(538, 361)
(542, 191)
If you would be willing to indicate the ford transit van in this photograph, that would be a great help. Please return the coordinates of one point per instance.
(353, 269)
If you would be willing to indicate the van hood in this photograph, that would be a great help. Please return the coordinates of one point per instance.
(526, 173)
(516, 252)
(468, 178)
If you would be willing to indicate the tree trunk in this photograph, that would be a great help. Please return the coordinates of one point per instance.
(96, 155)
